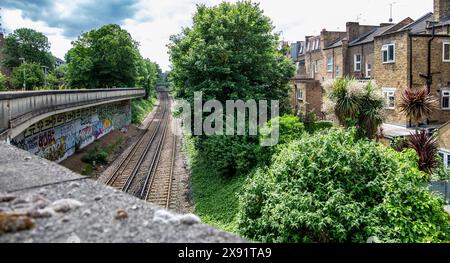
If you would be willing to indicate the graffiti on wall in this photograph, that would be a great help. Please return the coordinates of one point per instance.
(58, 137)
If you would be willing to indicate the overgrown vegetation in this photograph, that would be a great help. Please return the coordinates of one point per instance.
(140, 109)
(3, 81)
(99, 156)
(332, 187)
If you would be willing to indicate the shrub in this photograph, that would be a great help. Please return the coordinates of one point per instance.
(33, 74)
(331, 187)
(426, 147)
(2, 82)
(96, 156)
(318, 126)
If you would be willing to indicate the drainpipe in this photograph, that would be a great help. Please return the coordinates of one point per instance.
(411, 77)
(430, 77)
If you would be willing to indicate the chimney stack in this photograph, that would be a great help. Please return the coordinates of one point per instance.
(352, 31)
(441, 10)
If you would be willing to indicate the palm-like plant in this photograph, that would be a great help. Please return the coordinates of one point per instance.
(426, 146)
(417, 104)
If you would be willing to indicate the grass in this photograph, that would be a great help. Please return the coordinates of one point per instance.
(140, 109)
(216, 197)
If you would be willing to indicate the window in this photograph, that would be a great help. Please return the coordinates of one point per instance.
(338, 71)
(445, 155)
(299, 94)
(389, 95)
(388, 53)
(368, 70)
(446, 52)
(316, 66)
(445, 99)
(358, 62)
(330, 64)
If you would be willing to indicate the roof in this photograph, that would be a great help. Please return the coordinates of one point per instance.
(370, 36)
(419, 26)
(336, 43)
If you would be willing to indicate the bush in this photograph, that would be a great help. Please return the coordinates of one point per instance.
(313, 127)
(33, 73)
(96, 156)
(331, 187)
(140, 109)
(2, 82)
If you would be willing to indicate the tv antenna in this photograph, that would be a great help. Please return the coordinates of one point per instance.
(358, 18)
(391, 5)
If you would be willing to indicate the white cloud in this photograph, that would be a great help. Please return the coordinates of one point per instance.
(156, 20)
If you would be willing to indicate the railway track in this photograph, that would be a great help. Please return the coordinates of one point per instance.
(147, 169)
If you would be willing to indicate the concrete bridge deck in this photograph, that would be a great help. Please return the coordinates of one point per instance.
(18, 110)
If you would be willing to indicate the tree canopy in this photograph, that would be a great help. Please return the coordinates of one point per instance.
(103, 58)
(29, 44)
(230, 52)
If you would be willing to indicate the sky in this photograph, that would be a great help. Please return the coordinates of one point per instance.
(152, 22)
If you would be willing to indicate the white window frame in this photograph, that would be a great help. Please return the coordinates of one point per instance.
(446, 155)
(444, 59)
(368, 70)
(316, 66)
(384, 49)
(445, 93)
(387, 93)
(300, 94)
(358, 62)
(338, 71)
(330, 64)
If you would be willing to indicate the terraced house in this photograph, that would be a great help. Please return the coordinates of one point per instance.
(405, 55)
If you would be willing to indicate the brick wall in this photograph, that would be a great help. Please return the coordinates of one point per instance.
(440, 71)
(367, 53)
(444, 137)
(338, 54)
(393, 75)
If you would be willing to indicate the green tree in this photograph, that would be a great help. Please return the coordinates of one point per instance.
(33, 74)
(103, 58)
(148, 75)
(29, 44)
(332, 187)
(230, 52)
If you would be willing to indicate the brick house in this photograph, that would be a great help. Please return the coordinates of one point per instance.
(401, 62)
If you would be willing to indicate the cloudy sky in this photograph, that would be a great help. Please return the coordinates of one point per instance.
(151, 22)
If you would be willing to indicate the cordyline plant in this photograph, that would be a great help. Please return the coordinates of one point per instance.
(355, 103)
(417, 104)
(426, 146)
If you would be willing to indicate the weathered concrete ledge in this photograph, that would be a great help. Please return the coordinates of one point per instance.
(94, 213)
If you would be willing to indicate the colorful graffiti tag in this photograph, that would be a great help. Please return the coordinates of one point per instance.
(57, 137)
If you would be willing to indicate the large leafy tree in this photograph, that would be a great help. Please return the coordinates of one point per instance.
(103, 58)
(29, 44)
(148, 75)
(230, 52)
